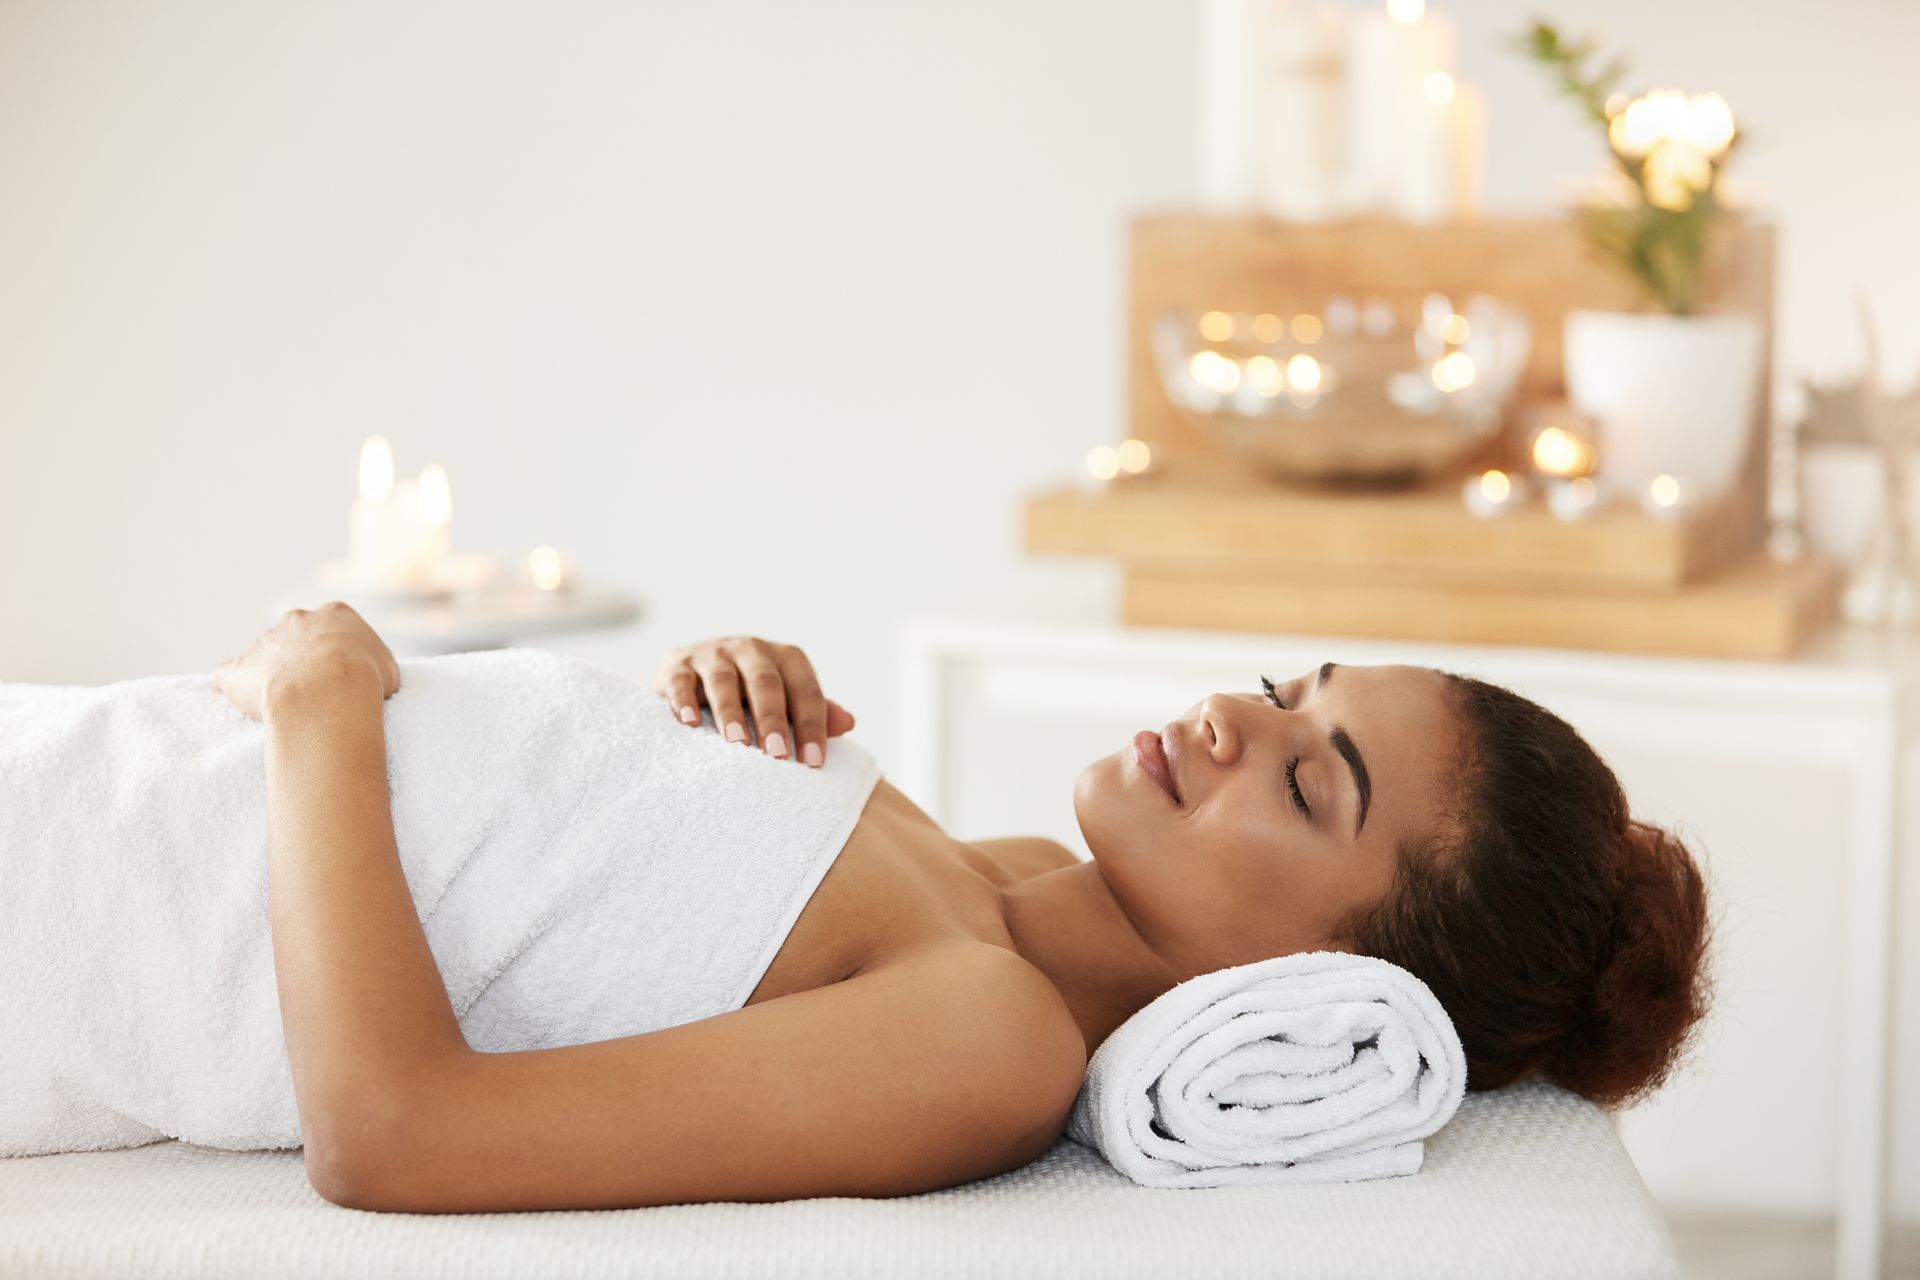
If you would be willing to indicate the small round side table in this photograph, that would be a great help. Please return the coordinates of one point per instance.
(488, 619)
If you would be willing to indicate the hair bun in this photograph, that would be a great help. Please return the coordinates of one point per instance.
(1651, 993)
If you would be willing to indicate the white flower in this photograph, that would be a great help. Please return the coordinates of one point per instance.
(1647, 122)
(1709, 124)
(1675, 170)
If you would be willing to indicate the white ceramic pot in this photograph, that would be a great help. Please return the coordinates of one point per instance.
(1672, 395)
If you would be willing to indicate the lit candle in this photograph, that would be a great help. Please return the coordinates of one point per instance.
(1103, 464)
(1393, 56)
(1491, 493)
(1467, 145)
(1664, 499)
(1444, 142)
(547, 570)
(435, 500)
(1559, 452)
(1572, 499)
(381, 524)
(398, 534)
(1303, 116)
(1134, 457)
(1228, 75)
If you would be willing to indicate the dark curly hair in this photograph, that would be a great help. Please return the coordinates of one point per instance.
(1565, 938)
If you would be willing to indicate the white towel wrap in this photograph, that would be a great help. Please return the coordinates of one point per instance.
(584, 866)
(1315, 1067)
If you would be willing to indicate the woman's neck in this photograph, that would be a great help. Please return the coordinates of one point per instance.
(1067, 924)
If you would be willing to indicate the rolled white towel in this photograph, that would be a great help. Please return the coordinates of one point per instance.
(1315, 1067)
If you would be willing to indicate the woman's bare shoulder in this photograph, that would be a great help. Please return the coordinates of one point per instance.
(1017, 1027)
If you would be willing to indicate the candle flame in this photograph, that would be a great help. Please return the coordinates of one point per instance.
(544, 565)
(436, 499)
(376, 469)
(1453, 372)
(1303, 371)
(1558, 452)
(1215, 371)
(1264, 373)
(1134, 456)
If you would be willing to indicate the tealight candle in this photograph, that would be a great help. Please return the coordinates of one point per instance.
(1103, 464)
(1664, 498)
(1491, 493)
(547, 570)
(1572, 499)
(1134, 457)
(1559, 452)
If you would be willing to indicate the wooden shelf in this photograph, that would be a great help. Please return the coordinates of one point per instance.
(1759, 609)
(1226, 526)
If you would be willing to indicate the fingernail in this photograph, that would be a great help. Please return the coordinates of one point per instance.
(689, 715)
(776, 745)
(811, 754)
(736, 732)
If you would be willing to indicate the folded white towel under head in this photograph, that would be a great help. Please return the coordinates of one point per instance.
(1316, 1067)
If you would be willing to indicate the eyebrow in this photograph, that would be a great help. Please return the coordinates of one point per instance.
(1362, 781)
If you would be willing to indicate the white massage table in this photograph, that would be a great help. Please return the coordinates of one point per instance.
(1528, 1182)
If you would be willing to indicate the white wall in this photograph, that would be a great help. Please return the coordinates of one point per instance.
(768, 311)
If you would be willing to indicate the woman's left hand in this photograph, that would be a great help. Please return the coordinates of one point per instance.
(331, 642)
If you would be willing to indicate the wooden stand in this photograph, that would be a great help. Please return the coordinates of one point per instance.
(1206, 545)
(1757, 609)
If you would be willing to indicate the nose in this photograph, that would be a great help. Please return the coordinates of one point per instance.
(1222, 729)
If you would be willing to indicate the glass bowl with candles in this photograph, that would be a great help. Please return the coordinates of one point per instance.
(1358, 392)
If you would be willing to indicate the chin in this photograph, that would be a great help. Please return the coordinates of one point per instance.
(1100, 800)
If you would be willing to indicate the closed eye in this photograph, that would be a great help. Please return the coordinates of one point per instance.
(1293, 765)
(1272, 696)
(1293, 788)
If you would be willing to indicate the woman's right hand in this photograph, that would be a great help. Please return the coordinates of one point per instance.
(778, 682)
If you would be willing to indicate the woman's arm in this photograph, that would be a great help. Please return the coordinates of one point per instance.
(362, 1002)
(951, 1064)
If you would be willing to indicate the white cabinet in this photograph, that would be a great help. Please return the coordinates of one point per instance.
(1782, 776)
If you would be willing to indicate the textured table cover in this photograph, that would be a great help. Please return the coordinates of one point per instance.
(1527, 1182)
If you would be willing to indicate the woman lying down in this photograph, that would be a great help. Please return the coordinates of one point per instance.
(528, 936)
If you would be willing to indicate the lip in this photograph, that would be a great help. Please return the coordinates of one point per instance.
(1150, 749)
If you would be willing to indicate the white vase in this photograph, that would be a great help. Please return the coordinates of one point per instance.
(1673, 395)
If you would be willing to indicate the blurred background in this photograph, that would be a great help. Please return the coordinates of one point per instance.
(771, 318)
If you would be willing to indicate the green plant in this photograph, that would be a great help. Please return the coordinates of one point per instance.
(1669, 146)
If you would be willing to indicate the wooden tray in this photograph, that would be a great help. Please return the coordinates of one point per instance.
(1229, 526)
(1758, 609)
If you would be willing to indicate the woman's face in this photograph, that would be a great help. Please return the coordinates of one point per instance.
(1237, 868)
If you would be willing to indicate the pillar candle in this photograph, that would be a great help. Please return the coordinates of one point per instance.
(1226, 80)
(384, 536)
(1302, 115)
(1468, 135)
(1439, 177)
(1388, 62)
